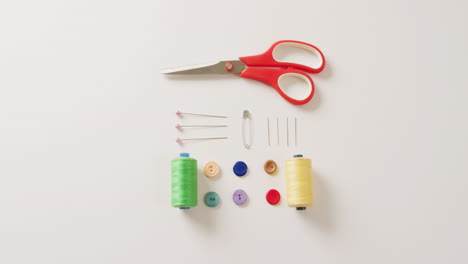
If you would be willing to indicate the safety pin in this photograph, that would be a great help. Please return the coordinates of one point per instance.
(246, 116)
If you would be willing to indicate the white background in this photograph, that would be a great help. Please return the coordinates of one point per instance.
(86, 132)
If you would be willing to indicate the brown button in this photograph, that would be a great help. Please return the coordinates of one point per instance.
(211, 169)
(270, 167)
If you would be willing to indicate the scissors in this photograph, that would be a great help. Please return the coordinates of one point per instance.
(267, 68)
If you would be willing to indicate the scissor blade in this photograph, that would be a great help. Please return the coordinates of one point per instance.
(216, 68)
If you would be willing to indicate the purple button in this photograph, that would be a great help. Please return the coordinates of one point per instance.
(239, 197)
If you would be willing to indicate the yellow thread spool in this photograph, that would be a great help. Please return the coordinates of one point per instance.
(299, 188)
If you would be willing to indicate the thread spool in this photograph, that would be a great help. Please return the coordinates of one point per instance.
(184, 182)
(299, 189)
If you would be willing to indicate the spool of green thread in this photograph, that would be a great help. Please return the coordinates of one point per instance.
(184, 182)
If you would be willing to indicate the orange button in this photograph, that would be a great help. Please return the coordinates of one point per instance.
(270, 167)
(211, 169)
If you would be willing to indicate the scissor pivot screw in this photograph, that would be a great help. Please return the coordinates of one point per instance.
(229, 66)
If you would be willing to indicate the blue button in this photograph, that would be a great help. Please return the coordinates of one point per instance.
(184, 155)
(240, 168)
(211, 199)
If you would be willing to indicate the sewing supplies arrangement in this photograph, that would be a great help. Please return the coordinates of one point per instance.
(270, 69)
(247, 133)
(298, 171)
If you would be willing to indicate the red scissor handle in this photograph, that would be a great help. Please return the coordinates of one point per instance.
(267, 59)
(273, 78)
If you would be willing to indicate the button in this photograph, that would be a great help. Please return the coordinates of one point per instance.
(239, 197)
(211, 169)
(273, 197)
(270, 167)
(211, 199)
(240, 168)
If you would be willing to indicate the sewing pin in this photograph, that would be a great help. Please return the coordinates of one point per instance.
(182, 126)
(179, 140)
(178, 113)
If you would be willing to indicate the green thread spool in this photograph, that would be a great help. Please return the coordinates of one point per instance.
(184, 182)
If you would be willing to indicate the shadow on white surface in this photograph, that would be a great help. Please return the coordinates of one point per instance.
(326, 74)
(316, 101)
(314, 104)
(199, 216)
(320, 215)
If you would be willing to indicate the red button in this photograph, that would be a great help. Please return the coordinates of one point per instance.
(273, 197)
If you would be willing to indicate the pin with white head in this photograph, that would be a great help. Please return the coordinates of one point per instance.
(181, 140)
(180, 114)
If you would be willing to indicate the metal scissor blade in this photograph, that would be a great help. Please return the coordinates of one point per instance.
(216, 68)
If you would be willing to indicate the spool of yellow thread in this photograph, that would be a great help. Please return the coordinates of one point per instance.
(299, 189)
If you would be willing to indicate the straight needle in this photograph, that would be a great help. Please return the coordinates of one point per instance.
(268, 129)
(277, 130)
(295, 131)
